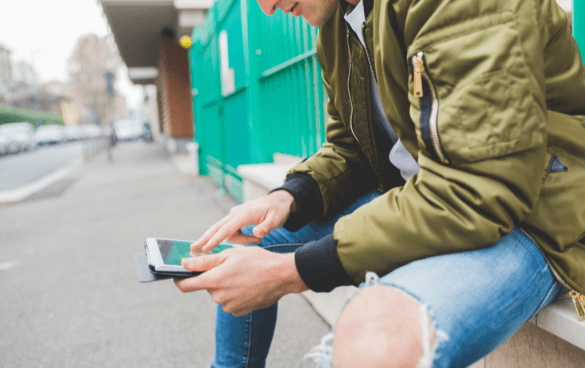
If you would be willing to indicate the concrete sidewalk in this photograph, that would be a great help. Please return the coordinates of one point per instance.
(70, 294)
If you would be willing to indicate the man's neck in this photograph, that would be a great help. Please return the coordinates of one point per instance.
(353, 2)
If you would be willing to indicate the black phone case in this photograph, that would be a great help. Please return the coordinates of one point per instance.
(145, 274)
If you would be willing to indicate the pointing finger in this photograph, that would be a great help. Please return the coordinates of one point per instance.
(204, 239)
(225, 232)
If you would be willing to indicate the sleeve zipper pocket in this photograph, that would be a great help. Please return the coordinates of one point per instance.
(425, 91)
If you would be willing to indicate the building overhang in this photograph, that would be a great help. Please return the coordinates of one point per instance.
(143, 75)
(137, 26)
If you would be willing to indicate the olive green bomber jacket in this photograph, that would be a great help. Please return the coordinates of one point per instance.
(488, 97)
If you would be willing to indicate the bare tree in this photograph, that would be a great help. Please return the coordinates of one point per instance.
(92, 59)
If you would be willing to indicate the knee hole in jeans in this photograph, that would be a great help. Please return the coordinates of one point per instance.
(368, 302)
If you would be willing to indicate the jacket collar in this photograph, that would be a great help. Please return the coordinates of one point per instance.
(368, 5)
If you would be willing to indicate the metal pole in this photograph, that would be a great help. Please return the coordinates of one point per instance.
(220, 101)
(38, 121)
(109, 147)
(85, 148)
(111, 108)
(7, 94)
(579, 25)
(252, 59)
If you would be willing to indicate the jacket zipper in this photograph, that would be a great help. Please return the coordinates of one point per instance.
(348, 87)
(420, 73)
(387, 123)
(578, 299)
(367, 52)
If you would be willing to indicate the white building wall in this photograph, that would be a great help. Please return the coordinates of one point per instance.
(5, 66)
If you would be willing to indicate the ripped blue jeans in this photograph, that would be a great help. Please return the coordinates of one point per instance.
(476, 299)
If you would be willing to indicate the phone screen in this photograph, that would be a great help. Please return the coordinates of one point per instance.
(173, 251)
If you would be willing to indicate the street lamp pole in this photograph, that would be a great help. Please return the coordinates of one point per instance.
(37, 102)
(110, 88)
(7, 94)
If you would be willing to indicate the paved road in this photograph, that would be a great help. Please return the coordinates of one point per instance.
(70, 296)
(25, 167)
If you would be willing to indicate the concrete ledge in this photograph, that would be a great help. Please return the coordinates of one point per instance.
(187, 163)
(558, 318)
(329, 305)
(264, 176)
(259, 179)
(177, 145)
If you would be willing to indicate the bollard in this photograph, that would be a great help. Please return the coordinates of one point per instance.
(108, 143)
(84, 149)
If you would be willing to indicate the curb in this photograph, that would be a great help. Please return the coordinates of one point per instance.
(186, 164)
(17, 195)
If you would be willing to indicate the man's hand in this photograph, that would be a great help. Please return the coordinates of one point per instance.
(269, 212)
(243, 280)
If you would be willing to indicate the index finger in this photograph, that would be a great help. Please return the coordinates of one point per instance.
(204, 239)
(232, 226)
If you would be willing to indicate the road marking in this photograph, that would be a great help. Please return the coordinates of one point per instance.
(17, 195)
(8, 265)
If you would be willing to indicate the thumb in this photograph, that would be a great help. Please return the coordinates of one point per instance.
(202, 263)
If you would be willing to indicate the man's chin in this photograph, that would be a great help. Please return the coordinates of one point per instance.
(313, 23)
(317, 22)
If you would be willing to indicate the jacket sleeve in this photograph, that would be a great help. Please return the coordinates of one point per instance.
(340, 169)
(480, 123)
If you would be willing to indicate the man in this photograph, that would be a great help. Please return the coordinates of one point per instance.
(450, 186)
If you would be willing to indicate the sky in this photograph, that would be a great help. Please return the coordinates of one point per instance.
(44, 33)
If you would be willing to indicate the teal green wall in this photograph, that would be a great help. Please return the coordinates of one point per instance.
(278, 103)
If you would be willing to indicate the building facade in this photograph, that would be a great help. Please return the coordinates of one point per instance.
(147, 35)
(5, 76)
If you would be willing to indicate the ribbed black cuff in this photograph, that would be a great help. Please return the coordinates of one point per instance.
(319, 265)
(308, 198)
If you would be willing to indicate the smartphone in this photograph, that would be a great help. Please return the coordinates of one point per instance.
(165, 255)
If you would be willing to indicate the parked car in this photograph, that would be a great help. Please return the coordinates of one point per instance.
(3, 145)
(49, 134)
(128, 130)
(10, 144)
(73, 133)
(20, 136)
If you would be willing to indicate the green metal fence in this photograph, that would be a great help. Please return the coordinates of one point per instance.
(263, 96)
